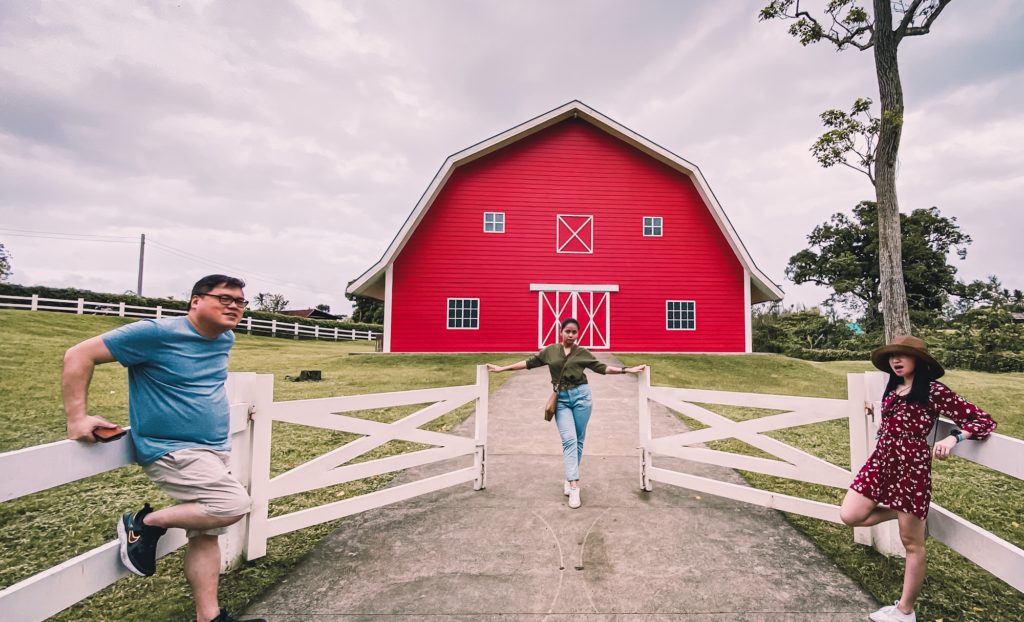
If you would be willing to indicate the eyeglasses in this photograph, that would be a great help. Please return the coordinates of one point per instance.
(226, 300)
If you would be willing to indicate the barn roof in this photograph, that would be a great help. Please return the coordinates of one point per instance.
(371, 282)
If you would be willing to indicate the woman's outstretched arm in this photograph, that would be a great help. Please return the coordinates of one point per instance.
(491, 367)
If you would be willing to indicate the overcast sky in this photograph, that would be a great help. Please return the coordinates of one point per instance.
(286, 142)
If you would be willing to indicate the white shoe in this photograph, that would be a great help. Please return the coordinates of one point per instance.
(891, 613)
(565, 491)
(574, 497)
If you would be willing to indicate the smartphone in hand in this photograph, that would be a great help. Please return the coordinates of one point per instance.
(105, 435)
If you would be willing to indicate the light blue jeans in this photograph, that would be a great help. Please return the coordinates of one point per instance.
(572, 414)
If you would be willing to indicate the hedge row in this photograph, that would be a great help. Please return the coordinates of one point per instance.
(9, 289)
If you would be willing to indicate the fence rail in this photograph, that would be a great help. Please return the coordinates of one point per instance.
(249, 324)
(253, 410)
(998, 452)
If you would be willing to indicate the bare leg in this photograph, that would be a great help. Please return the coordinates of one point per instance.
(860, 511)
(202, 569)
(188, 516)
(912, 536)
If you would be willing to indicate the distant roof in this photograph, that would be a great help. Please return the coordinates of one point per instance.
(1016, 316)
(314, 314)
(371, 282)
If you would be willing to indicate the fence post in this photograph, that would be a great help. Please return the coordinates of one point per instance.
(353, 334)
(885, 537)
(644, 408)
(159, 312)
(335, 333)
(480, 459)
(248, 325)
(860, 439)
(316, 332)
(259, 469)
(120, 309)
(241, 393)
(295, 330)
(81, 306)
(35, 302)
(273, 328)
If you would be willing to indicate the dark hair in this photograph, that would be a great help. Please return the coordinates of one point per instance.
(921, 387)
(206, 284)
(570, 320)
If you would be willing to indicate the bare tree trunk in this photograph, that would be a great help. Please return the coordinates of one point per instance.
(890, 91)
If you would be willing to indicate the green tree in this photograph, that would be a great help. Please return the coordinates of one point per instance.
(842, 254)
(266, 301)
(882, 31)
(367, 310)
(5, 263)
(326, 308)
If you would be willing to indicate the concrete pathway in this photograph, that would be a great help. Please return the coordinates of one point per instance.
(515, 551)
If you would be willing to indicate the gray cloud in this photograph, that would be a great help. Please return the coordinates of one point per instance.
(291, 139)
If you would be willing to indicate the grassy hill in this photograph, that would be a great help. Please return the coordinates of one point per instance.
(80, 516)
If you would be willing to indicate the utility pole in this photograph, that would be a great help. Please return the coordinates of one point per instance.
(142, 255)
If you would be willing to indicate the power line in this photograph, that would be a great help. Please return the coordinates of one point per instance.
(57, 235)
(235, 269)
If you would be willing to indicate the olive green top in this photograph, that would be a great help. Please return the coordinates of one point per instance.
(579, 360)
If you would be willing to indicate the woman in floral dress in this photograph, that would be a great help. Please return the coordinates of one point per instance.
(896, 482)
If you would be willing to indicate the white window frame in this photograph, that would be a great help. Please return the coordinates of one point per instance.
(660, 226)
(448, 319)
(574, 233)
(494, 222)
(667, 310)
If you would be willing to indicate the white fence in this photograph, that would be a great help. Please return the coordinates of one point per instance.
(250, 325)
(998, 452)
(253, 410)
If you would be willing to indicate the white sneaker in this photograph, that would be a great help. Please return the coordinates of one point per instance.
(891, 613)
(574, 497)
(565, 491)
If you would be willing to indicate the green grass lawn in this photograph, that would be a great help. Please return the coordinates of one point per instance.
(955, 589)
(41, 530)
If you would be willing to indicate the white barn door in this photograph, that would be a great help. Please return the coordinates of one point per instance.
(591, 308)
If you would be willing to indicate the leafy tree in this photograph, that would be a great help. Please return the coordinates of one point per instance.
(323, 307)
(852, 26)
(843, 255)
(265, 301)
(5, 263)
(366, 310)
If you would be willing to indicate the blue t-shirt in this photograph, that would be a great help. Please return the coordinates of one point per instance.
(176, 394)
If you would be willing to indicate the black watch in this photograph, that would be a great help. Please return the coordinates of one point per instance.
(958, 434)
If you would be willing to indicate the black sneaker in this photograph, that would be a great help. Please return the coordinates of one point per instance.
(138, 542)
(225, 617)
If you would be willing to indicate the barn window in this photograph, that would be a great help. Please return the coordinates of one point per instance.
(680, 315)
(652, 226)
(494, 222)
(574, 234)
(464, 313)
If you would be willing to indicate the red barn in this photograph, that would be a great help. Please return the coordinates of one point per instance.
(568, 214)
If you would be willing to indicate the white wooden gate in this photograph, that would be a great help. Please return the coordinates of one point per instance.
(998, 452)
(336, 467)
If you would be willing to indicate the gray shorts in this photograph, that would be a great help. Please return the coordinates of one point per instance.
(201, 476)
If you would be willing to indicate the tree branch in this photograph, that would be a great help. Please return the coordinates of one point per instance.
(859, 170)
(907, 30)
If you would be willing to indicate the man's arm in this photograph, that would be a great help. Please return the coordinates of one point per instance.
(79, 361)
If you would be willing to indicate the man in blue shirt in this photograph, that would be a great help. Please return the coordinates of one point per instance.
(178, 409)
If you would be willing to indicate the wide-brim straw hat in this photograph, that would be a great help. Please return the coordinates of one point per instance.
(906, 344)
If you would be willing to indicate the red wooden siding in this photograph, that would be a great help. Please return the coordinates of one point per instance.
(571, 168)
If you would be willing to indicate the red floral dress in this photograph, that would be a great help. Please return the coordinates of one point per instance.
(898, 474)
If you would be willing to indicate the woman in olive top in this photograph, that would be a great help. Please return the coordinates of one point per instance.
(574, 402)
